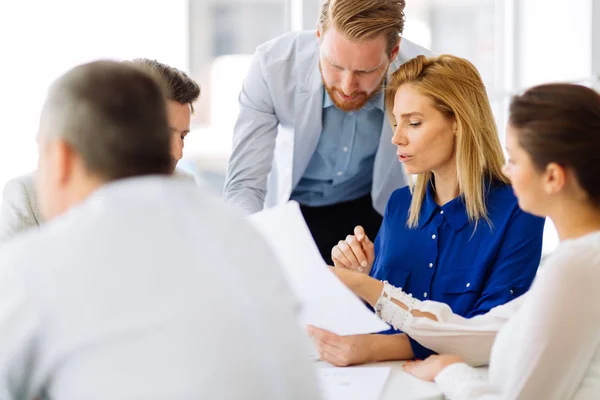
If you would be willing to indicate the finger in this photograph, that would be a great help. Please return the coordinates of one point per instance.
(410, 366)
(338, 257)
(357, 250)
(333, 357)
(349, 253)
(419, 369)
(369, 249)
(360, 234)
(333, 354)
(313, 331)
(323, 336)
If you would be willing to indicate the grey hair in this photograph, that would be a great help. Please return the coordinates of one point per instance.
(114, 116)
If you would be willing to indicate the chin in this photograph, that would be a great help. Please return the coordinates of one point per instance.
(413, 171)
(526, 207)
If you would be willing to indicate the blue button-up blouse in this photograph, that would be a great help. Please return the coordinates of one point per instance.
(447, 260)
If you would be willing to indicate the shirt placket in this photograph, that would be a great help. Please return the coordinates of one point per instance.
(345, 148)
(433, 231)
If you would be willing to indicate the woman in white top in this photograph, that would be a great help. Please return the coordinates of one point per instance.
(546, 343)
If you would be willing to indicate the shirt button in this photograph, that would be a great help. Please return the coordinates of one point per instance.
(468, 284)
(511, 291)
(340, 173)
(346, 149)
(433, 237)
(351, 113)
(430, 265)
(441, 212)
(425, 294)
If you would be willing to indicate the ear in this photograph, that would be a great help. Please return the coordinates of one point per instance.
(62, 162)
(554, 178)
(395, 50)
(319, 36)
(454, 126)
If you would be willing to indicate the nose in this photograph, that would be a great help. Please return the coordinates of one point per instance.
(399, 138)
(176, 147)
(349, 83)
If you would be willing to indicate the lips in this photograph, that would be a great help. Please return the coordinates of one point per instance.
(403, 157)
(346, 98)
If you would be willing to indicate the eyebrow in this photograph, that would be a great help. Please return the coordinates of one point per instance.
(177, 130)
(358, 70)
(410, 114)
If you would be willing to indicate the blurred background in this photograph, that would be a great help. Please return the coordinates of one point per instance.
(514, 43)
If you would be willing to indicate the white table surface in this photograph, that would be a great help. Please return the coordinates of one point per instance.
(400, 385)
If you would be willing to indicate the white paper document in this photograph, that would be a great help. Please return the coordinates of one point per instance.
(326, 302)
(355, 383)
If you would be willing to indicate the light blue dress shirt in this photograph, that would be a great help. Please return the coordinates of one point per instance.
(341, 168)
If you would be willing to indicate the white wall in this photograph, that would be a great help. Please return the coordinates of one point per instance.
(41, 39)
(554, 40)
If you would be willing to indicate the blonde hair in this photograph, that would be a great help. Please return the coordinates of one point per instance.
(364, 19)
(457, 91)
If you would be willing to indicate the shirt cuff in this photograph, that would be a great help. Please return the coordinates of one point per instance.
(456, 380)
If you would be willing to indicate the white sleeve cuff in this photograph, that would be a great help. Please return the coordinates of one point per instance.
(457, 380)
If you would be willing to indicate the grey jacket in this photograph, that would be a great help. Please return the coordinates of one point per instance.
(19, 210)
(279, 125)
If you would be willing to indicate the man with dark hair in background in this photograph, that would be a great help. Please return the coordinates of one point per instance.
(19, 208)
(182, 92)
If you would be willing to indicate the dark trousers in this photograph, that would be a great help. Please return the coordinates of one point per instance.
(330, 224)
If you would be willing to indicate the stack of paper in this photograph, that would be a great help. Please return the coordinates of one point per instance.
(326, 302)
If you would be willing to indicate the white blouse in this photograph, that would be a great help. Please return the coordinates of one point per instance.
(543, 345)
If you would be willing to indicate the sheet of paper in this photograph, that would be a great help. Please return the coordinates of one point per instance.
(326, 302)
(355, 383)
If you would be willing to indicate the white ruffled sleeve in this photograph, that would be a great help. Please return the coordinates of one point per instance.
(470, 339)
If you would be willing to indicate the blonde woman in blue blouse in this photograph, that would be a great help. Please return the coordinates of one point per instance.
(545, 344)
(459, 237)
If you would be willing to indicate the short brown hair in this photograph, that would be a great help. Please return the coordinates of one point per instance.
(114, 116)
(560, 123)
(178, 85)
(364, 19)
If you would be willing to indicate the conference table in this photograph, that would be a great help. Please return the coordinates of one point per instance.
(400, 385)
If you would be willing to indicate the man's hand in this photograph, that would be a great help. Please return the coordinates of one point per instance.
(431, 367)
(357, 252)
(341, 351)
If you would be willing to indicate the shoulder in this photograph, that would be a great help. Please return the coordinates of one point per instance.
(583, 252)
(19, 187)
(574, 265)
(408, 50)
(16, 255)
(402, 194)
(292, 46)
(501, 202)
(500, 197)
(503, 210)
(399, 202)
(19, 208)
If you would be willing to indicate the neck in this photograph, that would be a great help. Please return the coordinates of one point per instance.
(446, 185)
(575, 220)
(81, 189)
